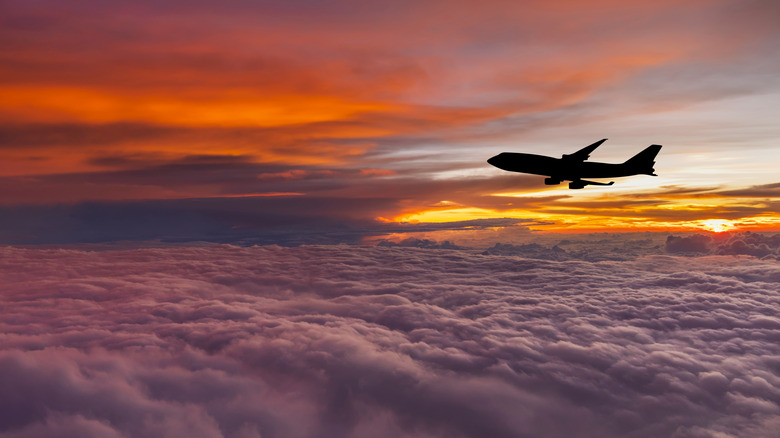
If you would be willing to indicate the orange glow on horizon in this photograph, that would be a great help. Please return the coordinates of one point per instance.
(579, 223)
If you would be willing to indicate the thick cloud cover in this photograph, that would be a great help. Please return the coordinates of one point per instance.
(754, 244)
(623, 247)
(345, 341)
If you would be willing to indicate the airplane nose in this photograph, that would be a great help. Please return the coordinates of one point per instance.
(493, 161)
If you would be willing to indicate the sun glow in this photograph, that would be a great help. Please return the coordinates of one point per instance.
(717, 225)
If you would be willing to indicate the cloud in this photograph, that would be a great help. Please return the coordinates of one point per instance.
(746, 243)
(698, 243)
(340, 341)
(284, 218)
(760, 191)
(755, 244)
(594, 247)
(624, 247)
(413, 242)
(530, 250)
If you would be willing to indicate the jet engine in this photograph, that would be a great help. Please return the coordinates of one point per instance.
(551, 181)
(577, 185)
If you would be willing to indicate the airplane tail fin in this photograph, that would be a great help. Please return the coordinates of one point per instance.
(643, 162)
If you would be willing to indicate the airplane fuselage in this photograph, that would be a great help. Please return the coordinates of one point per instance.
(559, 168)
(574, 167)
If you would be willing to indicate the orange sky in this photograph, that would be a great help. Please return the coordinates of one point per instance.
(401, 102)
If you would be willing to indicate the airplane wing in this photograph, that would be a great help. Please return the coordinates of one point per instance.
(584, 153)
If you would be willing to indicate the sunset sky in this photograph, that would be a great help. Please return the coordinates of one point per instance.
(276, 219)
(145, 119)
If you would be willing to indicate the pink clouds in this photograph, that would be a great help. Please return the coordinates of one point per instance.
(356, 341)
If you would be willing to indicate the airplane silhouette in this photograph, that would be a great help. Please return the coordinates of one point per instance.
(573, 167)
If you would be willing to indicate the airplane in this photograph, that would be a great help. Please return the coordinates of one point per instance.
(573, 167)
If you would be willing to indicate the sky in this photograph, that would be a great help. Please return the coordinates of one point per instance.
(272, 120)
(275, 219)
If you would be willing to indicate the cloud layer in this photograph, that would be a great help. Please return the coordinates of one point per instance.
(345, 341)
(765, 246)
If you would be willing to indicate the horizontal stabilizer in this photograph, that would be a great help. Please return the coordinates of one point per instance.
(581, 183)
(594, 183)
